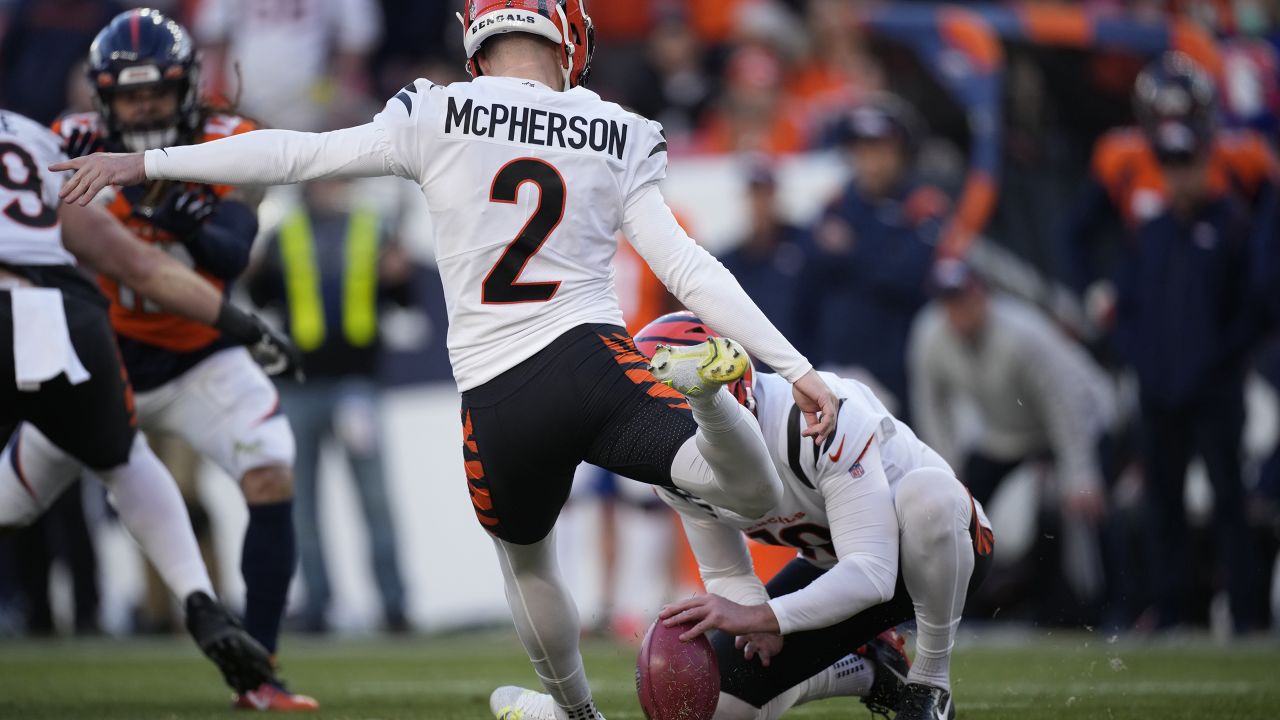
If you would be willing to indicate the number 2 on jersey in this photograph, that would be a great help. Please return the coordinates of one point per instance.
(500, 286)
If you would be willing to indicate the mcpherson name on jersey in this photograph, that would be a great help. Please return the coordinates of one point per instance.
(532, 126)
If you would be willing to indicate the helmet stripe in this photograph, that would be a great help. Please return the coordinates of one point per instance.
(134, 29)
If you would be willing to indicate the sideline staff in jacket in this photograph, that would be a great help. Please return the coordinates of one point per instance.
(1185, 314)
(328, 268)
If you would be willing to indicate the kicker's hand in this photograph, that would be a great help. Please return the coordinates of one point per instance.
(819, 405)
(97, 171)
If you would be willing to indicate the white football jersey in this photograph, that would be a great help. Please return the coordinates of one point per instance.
(29, 230)
(527, 188)
(800, 518)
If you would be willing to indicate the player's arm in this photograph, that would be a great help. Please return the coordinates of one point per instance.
(724, 563)
(95, 237)
(260, 157)
(725, 566)
(393, 144)
(218, 232)
(704, 286)
(864, 531)
(98, 240)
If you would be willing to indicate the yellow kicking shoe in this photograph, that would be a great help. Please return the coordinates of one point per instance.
(701, 369)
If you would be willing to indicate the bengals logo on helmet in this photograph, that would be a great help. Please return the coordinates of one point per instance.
(564, 22)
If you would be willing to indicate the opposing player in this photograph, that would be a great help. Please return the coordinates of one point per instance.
(60, 372)
(528, 176)
(191, 380)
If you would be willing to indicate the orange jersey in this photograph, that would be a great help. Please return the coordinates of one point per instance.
(1125, 165)
(136, 317)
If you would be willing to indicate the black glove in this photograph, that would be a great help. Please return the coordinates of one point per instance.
(273, 351)
(184, 210)
(83, 142)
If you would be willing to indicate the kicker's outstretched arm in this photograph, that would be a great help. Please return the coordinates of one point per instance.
(261, 157)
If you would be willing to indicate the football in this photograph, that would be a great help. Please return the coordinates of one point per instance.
(677, 680)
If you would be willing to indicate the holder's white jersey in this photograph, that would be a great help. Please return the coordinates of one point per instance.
(29, 230)
(543, 178)
(800, 518)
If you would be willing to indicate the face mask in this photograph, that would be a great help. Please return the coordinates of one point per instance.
(142, 140)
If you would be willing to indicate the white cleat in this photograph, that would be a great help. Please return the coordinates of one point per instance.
(516, 703)
(701, 369)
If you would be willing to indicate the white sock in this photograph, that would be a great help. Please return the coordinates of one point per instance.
(850, 676)
(546, 620)
(582, 711)
(727, 463)
(934, 511)
(715, 412)
(931, 667)
(151, 508)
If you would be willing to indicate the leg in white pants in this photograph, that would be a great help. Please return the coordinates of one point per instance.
(547, 622)
(34, 472)
(727, 462)
(934, 512)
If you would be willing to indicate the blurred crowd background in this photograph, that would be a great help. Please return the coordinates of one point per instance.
(929, 197)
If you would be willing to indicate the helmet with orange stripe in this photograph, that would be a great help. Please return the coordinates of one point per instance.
(1176, 106)
(684, 328)
(138, 51)
(564, 22)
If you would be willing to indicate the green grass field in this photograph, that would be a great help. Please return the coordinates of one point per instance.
(1080, 676)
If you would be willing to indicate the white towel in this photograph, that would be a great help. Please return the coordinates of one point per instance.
(42, 348)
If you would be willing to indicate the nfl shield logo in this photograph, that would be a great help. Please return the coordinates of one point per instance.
(856, 471)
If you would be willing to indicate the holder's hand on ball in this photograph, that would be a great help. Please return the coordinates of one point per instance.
(712, 612)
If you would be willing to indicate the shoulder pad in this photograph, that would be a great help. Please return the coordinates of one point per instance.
(85, 122)
(220, 125)
(1117, 150)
